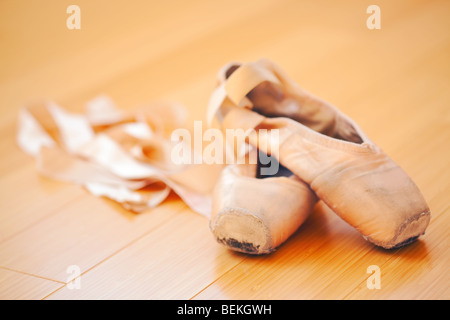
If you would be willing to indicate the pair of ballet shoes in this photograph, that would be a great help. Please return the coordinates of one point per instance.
(327, 156)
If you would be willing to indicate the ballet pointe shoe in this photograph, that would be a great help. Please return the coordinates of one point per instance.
(324, 148)
(256, 215)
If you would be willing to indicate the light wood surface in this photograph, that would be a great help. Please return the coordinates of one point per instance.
(395, 82)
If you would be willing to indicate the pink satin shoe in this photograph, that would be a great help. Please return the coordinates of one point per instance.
(324, 148)
(255, 215)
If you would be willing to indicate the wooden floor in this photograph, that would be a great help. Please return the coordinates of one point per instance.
(395, 82)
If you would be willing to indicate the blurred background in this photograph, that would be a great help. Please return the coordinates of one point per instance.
(142, 50)
(393, 81)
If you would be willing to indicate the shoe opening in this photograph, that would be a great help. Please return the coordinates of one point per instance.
(271, 100)
(268, 166)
